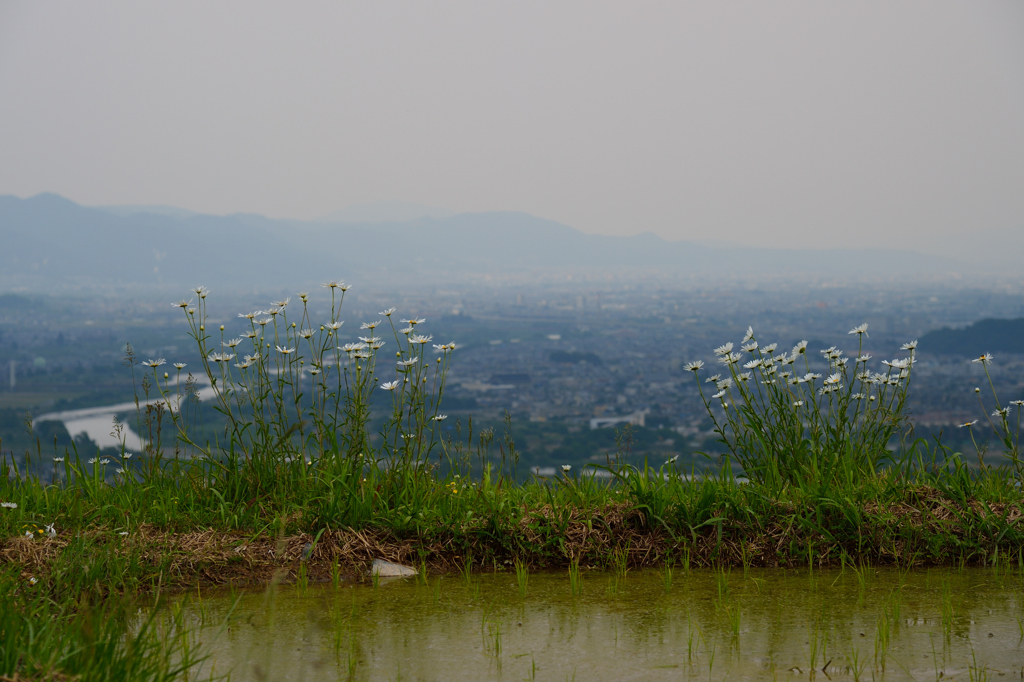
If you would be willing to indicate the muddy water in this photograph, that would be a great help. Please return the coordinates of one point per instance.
(765, 624)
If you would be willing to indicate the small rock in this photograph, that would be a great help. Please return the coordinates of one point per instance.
(386, 569)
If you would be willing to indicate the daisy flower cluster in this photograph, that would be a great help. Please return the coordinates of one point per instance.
(296, 391)
(782, 414)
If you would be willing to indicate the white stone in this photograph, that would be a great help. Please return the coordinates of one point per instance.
(386, 569)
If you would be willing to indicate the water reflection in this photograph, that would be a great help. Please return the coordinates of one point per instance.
(762, 624)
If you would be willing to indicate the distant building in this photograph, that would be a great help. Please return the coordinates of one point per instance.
(638, 418)
(517, 378)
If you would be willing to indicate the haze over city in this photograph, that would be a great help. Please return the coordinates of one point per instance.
(641, 181)
(788, 125)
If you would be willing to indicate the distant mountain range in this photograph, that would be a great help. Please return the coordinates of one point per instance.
(48, 243)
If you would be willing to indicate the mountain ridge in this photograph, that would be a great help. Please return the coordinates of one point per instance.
(51, 242)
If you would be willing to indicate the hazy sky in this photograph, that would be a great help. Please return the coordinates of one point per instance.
(772, 123)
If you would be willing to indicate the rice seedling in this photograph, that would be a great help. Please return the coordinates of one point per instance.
(817, 641)
(895, 604)
(335, 573)
(531, 672)
(864, 572)
(620, 561)
(693, 638)
(975, 672)
(437, 590)
(734, 613)
(722, 586)
(522, 577)
(946, 606)
(494, 641)
(935, 658)
(575, 578)
(666, 576)
(351, 660)
(882, 639)
(856, 665)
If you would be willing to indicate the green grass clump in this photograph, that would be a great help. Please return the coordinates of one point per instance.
(46, 638)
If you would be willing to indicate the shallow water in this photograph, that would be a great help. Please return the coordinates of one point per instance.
(765, 624)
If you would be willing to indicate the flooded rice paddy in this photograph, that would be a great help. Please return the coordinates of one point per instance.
(852, 624)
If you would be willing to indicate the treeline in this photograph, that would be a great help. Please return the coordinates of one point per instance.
(984, 336)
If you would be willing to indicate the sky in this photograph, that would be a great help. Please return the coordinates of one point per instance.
(788, 124)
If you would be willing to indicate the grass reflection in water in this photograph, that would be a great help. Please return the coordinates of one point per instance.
(697, 624)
